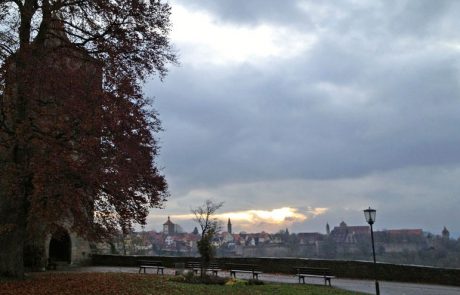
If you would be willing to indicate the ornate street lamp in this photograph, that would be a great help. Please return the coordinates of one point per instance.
(369, 214)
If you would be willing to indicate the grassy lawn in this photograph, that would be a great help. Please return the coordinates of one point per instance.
(140, 284)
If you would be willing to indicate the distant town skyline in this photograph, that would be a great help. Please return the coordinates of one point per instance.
(186, 224)
(325, 108)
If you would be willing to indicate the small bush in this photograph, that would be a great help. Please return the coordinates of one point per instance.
(254, 282)
(207, 280)
(236, 282)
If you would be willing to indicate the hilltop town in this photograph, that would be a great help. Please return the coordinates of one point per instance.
(409, 246)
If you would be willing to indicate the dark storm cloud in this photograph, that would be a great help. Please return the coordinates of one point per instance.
(250, 12)
(368, 114)
(250, 124)
(400, 17)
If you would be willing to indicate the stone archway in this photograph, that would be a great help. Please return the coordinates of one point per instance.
(60, 246)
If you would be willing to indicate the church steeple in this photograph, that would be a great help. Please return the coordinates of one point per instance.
(328, 229)
(169, 228)
(445, 233)
(229, 226)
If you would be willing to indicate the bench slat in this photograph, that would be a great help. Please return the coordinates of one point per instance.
(196, 267)
(312, 272)
(244, 268)
(144, 264)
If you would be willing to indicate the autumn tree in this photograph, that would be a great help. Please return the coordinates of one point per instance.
(209, 225)
(77, 138)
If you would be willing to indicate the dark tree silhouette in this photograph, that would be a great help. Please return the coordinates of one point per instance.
(77, 139)
(209, 224)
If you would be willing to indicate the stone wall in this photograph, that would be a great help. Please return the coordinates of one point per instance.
(80, 251)
(340, 268)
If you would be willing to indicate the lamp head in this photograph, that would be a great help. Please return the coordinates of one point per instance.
(369, 214)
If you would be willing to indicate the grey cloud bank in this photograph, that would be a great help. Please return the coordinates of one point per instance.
(366, 115)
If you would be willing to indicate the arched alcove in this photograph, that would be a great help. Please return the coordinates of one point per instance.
(60, 247)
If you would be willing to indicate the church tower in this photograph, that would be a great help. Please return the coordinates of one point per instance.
(169, 228)
(328, 229)
(445, 233)
(229, 226)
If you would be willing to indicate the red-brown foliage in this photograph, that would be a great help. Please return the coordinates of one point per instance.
(76, 132)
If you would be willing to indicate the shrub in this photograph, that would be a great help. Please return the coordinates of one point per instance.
(233, 282)
(207, 280)
(254, 282)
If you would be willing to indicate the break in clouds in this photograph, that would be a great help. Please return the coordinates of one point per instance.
(308, 104)
(258, 220)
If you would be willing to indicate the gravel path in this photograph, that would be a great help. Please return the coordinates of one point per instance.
(365, 286)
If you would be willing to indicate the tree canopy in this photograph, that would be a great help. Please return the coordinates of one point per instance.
(77, 137)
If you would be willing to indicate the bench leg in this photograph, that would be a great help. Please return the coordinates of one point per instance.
(303, 279)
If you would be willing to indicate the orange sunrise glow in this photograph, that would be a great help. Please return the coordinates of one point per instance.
(279, 216)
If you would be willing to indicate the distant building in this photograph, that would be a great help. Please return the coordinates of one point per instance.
(348, 234)
(170, 228)
(309, 238)
(195, 231)
(328, 229)
(229, 226)
(445, 233)
(405, 232)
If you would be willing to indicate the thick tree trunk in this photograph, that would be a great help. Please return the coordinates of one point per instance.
(16, 183)
(35, 253)
(12, 236)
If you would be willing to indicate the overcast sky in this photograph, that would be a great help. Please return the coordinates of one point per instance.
(298, 113)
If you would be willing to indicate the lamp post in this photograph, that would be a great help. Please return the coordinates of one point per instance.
(369, 214)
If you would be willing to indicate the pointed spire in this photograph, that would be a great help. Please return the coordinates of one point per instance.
(445, 233)
(195, 231)
(168, 221)
(229, 226)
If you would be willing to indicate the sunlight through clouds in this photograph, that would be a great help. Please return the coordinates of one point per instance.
(273, 216)
(210, 41)
(270, 220)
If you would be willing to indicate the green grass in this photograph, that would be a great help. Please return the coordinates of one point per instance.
(140, 284)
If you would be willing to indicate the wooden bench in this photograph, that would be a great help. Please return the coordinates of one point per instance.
(244, 268)
(144, 264)
(196, 267)
(313, 272)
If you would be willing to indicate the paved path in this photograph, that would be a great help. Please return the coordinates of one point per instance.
(365, 286)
